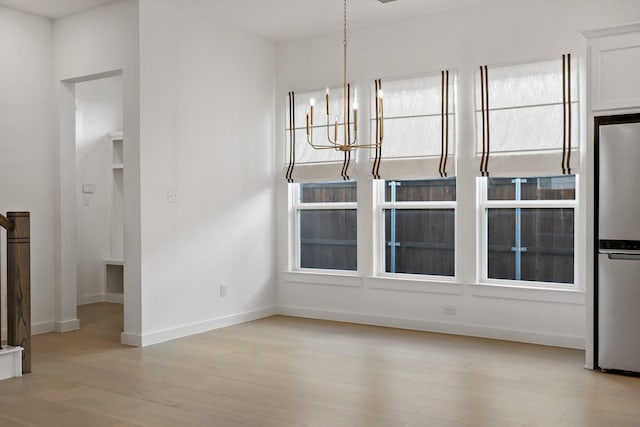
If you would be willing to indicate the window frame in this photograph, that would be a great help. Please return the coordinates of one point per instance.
(380, 241)
(296, 206)
(482, 260)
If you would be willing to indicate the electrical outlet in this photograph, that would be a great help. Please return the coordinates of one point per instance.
(223, 290)
(449, 309)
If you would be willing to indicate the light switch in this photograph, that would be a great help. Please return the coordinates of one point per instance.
(88, 188)
(172, 197)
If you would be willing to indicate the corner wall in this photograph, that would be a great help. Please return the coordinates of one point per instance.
(28, 150)
(207, 159)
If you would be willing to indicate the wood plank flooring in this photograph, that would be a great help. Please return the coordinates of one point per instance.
(284, 371)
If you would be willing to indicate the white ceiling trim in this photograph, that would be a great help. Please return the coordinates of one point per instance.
(53, 8)
(275, 20)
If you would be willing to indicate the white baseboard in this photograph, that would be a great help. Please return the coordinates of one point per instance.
(196, 328)
(92, 299)
(46, 327)
(134, 340)
(555, 340)
(36, 329)
(42, 328)
(67, 325)
(114, 298)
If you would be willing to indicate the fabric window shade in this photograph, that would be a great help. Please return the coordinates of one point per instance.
(313, 164)
(526, 127)
(413, 127)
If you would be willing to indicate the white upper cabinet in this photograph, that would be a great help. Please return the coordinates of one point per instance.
(615, 67)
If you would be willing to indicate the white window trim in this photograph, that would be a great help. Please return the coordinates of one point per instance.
(387, 278)
(564, 295)
(483, 254)
(323, 277)
(295, 206)
(406, 282)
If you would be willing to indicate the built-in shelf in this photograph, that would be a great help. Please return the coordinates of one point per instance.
(117, 147)
(114, 265)
(114, 286)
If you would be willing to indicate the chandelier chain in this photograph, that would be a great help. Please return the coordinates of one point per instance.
(345, 22)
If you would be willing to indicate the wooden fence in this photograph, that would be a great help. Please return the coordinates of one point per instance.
(425, 239)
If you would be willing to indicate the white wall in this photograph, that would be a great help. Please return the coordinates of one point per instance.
(88, 45)
(27, 149)
(207, 136)
(508, 32)
(99, 112)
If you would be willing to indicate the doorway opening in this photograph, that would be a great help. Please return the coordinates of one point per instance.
(99, 178)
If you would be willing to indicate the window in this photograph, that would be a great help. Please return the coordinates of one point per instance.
(326, 225)
(416, 208)
(418, 226)
(529, 229)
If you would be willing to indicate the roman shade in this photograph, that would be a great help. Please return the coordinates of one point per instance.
(527, 119)
(419, 127)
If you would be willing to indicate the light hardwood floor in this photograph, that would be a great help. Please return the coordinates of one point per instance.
(284, 371)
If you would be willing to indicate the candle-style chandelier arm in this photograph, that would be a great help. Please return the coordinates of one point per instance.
(331, 146)
(350, 126)
(351, 107)
(310, 125)
(315, 146)
(333, 141)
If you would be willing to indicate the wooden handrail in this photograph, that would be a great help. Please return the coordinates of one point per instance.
(6, 223)
(18, 225)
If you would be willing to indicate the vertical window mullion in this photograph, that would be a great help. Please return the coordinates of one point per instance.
(484, 221)
(298, 244)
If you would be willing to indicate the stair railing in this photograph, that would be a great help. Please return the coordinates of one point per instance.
(17, 225)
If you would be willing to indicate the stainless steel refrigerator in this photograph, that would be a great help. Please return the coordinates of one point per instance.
(617, 289)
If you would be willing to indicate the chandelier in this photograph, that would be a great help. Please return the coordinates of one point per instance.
(349, 141)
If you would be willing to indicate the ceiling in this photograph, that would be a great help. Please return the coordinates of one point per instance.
(281, 20)
(275, 20)
(53, 8)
